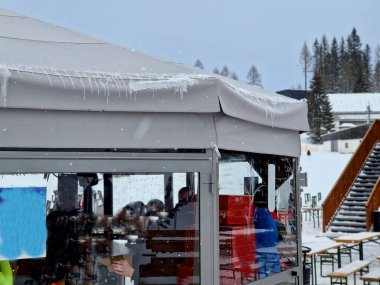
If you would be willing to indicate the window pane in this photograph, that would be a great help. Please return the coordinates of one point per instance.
(254, 242)
(125, 228)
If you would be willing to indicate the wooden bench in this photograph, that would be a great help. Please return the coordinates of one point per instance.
(341, 275)
(373, 276)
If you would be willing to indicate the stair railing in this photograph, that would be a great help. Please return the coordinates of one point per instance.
(341, 188)
(372, 204)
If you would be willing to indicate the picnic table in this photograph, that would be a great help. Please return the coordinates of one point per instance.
(314, 213)
(358, 239)
(322, 247)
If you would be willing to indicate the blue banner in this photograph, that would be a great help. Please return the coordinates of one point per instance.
(22, 222)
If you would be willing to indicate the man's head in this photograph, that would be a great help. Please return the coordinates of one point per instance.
(184, 195)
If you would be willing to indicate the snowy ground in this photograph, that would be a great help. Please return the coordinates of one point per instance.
(323, 169)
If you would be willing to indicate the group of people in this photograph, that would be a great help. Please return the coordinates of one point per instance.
(178, 218)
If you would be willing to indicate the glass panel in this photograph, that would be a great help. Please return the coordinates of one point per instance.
(125, 228)
(254, 242)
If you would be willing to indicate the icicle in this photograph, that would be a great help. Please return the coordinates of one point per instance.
(125, 86)
(71, 80)
(117, 84)
(89, 81)
(95, 81)
(5, 74)
(60, 76)
(81, 82)
(47, 75)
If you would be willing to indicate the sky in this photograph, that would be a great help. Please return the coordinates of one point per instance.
(268, 34)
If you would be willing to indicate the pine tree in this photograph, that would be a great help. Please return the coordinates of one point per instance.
(376, 72)
(234, 76)
(328, 117)
(324, 55)
(306, 61)
(198, 64)
(216, 70)
(225, 71)
(333, 68)
(367, 70)
(344, 73)
(354, 56)
(319, 109)
(254, 77)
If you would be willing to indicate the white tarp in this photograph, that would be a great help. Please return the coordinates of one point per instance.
(59, 89)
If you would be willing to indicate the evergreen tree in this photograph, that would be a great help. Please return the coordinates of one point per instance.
(225, 71)
(333, 68)
(234, 76)
(319, 109)
(324, 55)
(344, 68)
(354, 57)
(254, 77)
(367, 69)
(376, 73)
(328, 117)
(198, 64)
(306, 61)
(317, 56)
(216, 70)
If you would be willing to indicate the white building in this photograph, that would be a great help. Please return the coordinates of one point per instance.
(354, 109)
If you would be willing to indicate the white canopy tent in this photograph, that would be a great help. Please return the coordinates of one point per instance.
(61, 89)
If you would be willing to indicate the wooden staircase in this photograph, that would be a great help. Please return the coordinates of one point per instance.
(351, 216)
(350, 204)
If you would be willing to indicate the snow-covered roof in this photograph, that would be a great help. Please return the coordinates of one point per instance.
(49, 69)
(354, 102)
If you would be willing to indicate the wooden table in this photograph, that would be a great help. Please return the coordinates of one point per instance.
(313, 212)
(358, 239)
(318, 248)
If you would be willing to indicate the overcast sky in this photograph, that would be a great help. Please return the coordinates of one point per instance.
(236, 33)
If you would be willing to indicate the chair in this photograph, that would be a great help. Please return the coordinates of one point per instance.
(307, 198)
(313, 201)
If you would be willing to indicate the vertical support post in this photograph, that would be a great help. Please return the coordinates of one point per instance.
(108, 194)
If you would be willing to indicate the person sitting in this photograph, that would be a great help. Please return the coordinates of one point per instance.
(266, 234)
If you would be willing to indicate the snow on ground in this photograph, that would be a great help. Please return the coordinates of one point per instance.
(323, 169)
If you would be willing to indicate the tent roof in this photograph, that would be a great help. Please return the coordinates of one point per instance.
(48, 68)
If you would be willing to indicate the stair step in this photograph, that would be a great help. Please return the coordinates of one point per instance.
(361, 189)
(347, 212)
(371, 166)
(348, 224)
(355, 218)
(357, 199)
(354, 194)
(352, 209)
(354, 203)
(346, 229)
(363, 184)
(367, 178)
(373, 176)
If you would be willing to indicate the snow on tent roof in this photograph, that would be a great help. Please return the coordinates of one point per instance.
(354, 102)
(49, 69)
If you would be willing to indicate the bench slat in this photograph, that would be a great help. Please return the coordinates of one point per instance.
(374, 275)
(349, 269)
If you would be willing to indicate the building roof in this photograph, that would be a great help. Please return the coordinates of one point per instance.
(295, 94)
(354, 102)
(347, 134)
